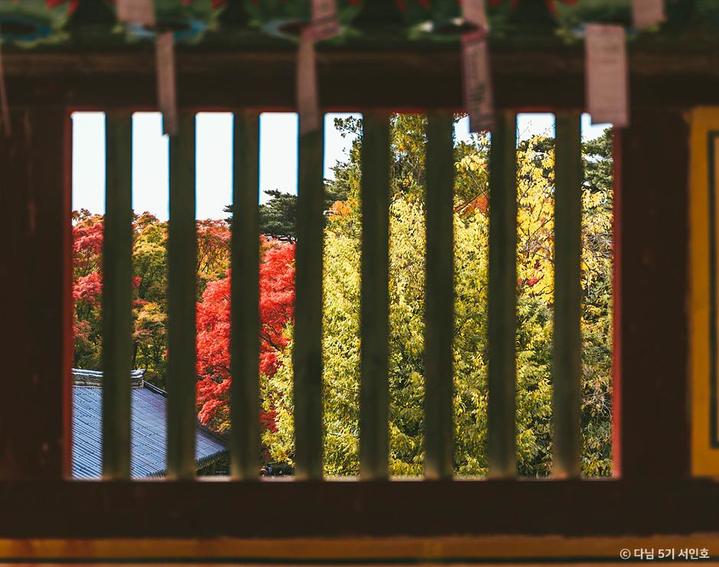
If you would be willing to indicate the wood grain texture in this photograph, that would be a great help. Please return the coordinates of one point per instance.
(36, 307)
(567, 337)
(502, 300)
(541, 78)
(318, 509)
(117, 325)
(374, 298)
(307, 338)
(651, 337)
(439, 299)
(245, 310)
(181, 299)
(487, 550)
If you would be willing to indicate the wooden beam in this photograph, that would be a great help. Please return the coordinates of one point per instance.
(181, 300)
(307, 345)
(487, 550)
(319, 509)
(117, 297)
(651, 425)
(374, 302)
(567, 339)
(36, 297)
(439, 299)
(245, 333)
(502, 299)
(545, 78)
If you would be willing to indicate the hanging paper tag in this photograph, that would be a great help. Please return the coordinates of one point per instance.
(324, 10)
(324, 19)
(4, 107)
(647, 13)
(478, 99)
(474, 12)
(140, 12)
(606, 74)
(307, 99)
(166, 95)
(324, 26)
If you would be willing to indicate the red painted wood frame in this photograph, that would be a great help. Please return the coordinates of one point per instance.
(654, 493)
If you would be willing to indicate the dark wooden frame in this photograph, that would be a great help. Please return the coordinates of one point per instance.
(526, 78)
(654, 493)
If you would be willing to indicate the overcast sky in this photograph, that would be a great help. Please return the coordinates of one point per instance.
(278, 157)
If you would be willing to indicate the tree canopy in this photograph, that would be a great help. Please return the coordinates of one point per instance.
(279, 213)
(149, 257)
(341, 285)
(341, 345)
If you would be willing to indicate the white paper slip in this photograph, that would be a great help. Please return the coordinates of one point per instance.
(474, 12)
(324, 19)
(325, 29)
(477, 81)
(647, 13)
(166, 93)
(606, 74)
(136, 12)
(307, 98)
(324, 9)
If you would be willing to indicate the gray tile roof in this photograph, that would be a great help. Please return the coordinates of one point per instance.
(148, 430)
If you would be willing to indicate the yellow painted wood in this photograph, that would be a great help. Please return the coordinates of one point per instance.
(500, 547)
(705, 459)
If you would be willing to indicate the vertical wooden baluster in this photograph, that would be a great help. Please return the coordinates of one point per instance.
(567, 345)
(117, 297)
(245, 263)
(439, 298)
(181, 272)
(374, 316)
(501, 442)
(307, 349)
(36, 296)
(651, 242)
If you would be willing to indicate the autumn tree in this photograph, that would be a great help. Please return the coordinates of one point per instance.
(213, 251)
(277, 295)
(278, 214)
(534, 310)
(149, 258)
(341, 281)
(87, 288)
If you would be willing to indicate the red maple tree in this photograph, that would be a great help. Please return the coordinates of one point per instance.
(277, 296)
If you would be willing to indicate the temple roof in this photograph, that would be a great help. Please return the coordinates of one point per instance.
(148, 429)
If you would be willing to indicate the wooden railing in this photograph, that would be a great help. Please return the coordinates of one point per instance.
(307, 347)
(654, 493)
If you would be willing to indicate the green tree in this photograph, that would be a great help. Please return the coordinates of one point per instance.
(534, 292)
(278, 215)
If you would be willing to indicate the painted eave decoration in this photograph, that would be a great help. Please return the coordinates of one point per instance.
(85, 24)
